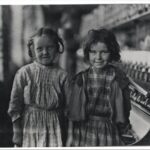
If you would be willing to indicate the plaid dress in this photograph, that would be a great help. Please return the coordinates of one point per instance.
(38, 98)
(98, 129)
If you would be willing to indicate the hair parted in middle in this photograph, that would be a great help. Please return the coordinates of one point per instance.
(105, 36)
(51, 33)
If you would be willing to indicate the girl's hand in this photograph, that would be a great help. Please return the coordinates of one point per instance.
(17, 133)
(17, 138)
(15, 145)
(69, 142)
(70, 135)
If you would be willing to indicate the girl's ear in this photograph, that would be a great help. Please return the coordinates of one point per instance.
(30, 48)
(61, 48)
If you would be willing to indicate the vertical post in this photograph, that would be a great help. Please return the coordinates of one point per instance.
(1, 47)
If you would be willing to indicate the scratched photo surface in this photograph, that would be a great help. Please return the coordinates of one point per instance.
(130, 23)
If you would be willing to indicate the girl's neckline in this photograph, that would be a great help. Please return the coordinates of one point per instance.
(95, 69)
(44, 66)
(100, 70)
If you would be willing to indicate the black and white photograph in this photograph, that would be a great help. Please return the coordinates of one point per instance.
(75, 75)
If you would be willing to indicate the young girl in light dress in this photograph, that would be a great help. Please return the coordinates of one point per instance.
(100, 114)
(38, 94)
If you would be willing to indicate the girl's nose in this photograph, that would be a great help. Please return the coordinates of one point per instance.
(98, 55)
(45, 51)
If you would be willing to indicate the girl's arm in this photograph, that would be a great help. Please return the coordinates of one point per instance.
(126, 103)
(16, 107)
(17, 97)
(69, 134)
(18, 133)
(66, 92)
(122, 110)
(118, 104)
(123, 82)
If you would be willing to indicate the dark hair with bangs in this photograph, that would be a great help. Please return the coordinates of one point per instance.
(52, 34)
(105, 36)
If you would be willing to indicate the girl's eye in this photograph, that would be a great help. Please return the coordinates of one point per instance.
(92, 52)
(39, 49)
(105, 52)
(51, 47)
(102, 52)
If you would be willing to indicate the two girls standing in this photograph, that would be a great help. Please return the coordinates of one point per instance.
(41, 91)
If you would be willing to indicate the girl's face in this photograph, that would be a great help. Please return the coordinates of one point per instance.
(45, 50)
(99, 55)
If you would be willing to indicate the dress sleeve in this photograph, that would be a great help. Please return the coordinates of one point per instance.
(66, 88)
(117, 103)
(16, 101)
(127, 103)
(123, 82)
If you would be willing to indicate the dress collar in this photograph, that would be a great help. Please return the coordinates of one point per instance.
(44, 66)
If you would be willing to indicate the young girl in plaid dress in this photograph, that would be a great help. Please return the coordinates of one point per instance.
(39, 94)
(101, 113)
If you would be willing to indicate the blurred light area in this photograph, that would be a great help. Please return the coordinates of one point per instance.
(16, 37)
(94, 20)
(1, 70)
(81, 65)
(139, 120)
(33, 20)
(134, 56)
(24, 23)
(80, 52)
(145, 44)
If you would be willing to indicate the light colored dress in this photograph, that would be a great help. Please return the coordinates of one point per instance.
(38, 97)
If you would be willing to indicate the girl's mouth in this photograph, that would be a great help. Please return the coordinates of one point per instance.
(98, 62)
(45, 57)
